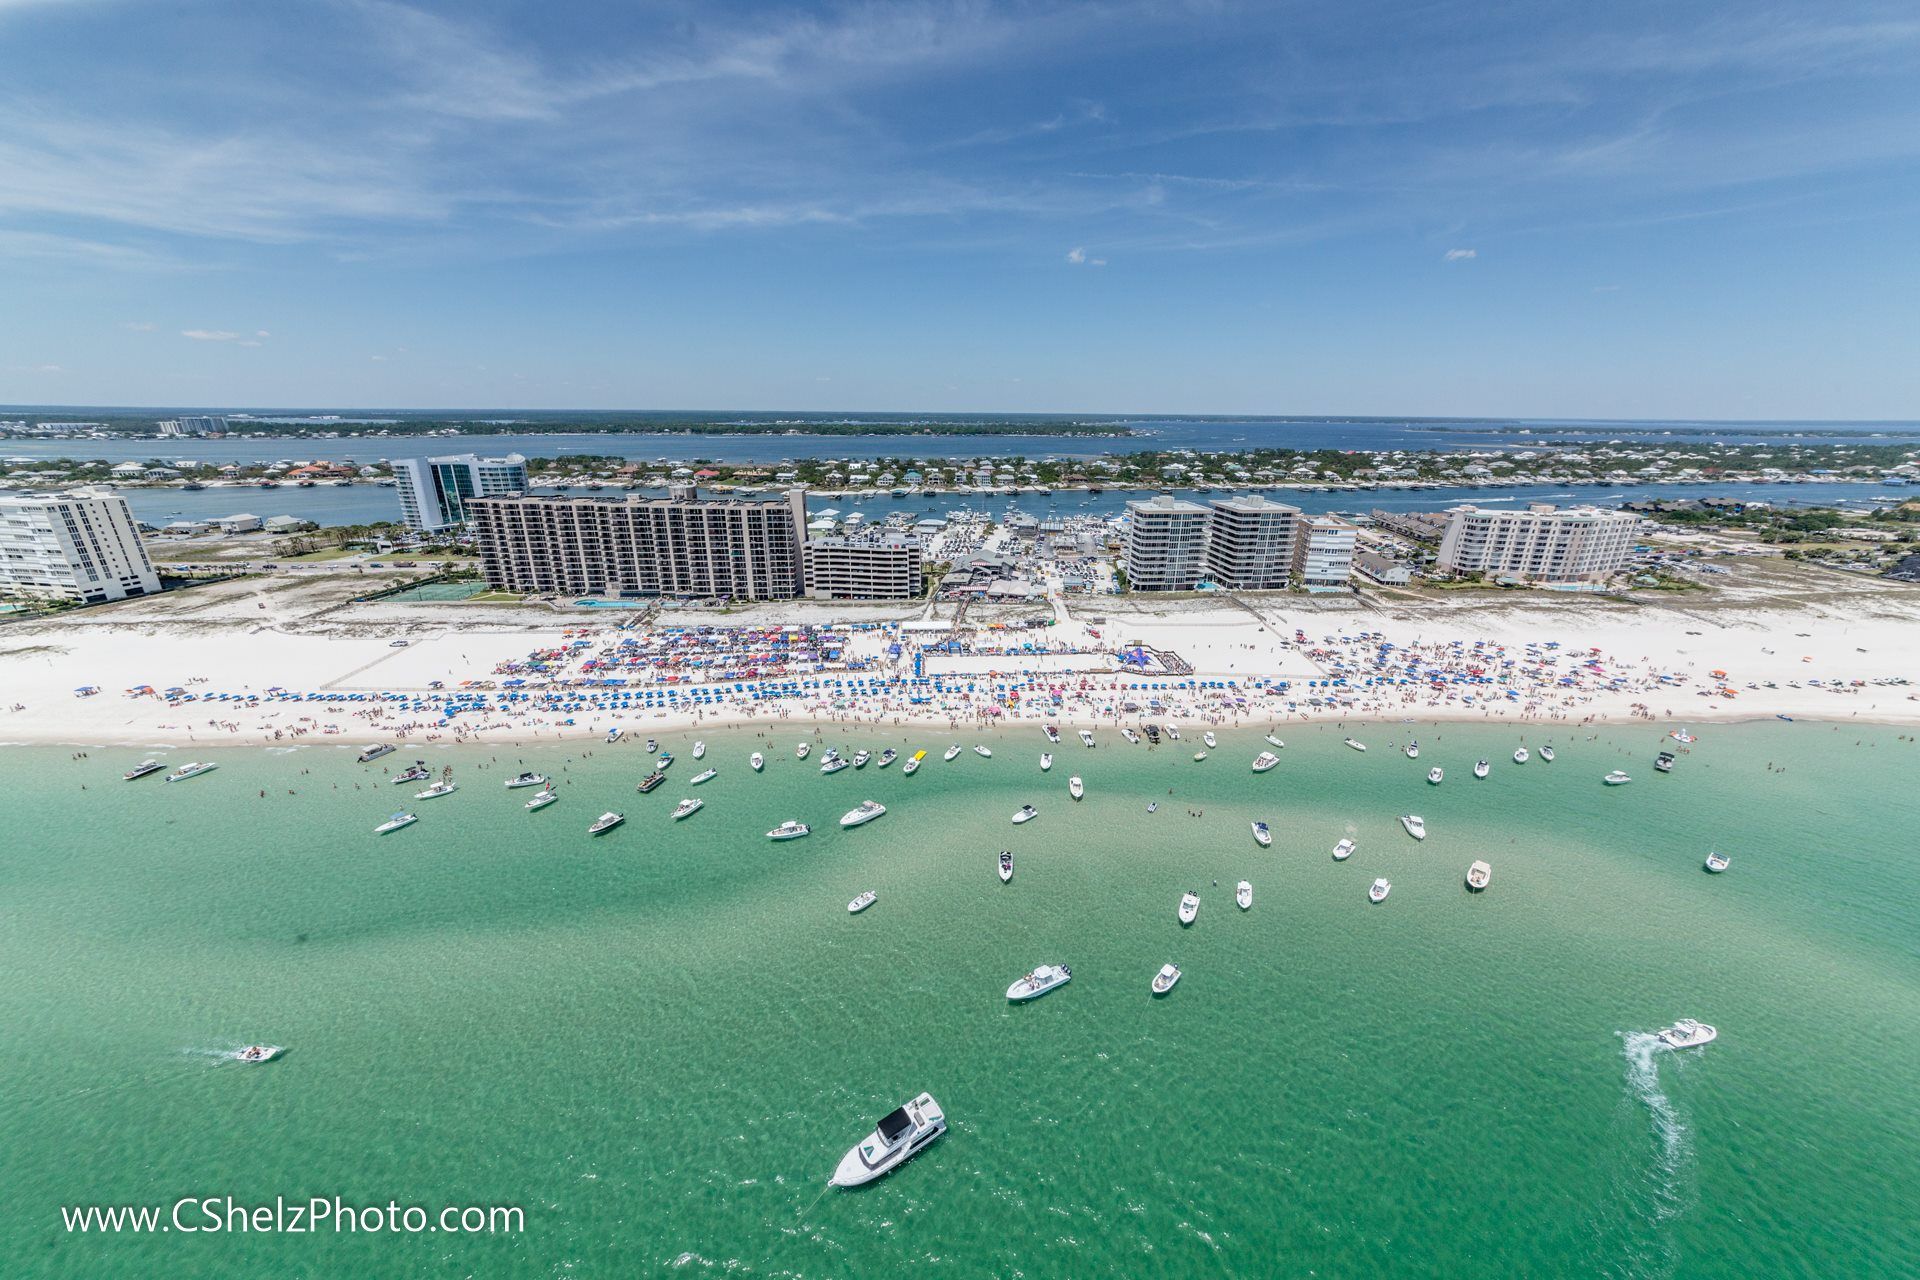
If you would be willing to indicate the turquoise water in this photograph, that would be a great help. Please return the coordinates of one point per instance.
(659, 1042)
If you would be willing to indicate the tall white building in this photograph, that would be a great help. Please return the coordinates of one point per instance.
(1250, 543)
(1543, 544)
(1323, 550)
(434, 491)
(190, 426)
(1166, 544)
(864, 568)
(81, 546)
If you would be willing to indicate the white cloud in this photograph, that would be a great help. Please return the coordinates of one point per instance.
(1078, 257)
(210, 335)
(140, 326)
(1461, 255)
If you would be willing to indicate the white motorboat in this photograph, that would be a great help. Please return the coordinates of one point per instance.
(526, 780)
(913, 763)
(705, 775)
(686, 808)
(191, 770)
(1482, 768)
(1343, 851)
(862, 902)
(887, 757)
(1189, 907)
(867, 812)
(1520, 756)
(789, 830)
(415, 772)
(1129, 734)
(1173, 731)
(833, 764)
(1718, 862)
(1199, 756)
(257, 1053)
(142, 769)
(1413, 751)
(1478, 875)
(1076, 788)
(985, 753)
(699, 750)
(1616, 779)
(1153, 806)
(1207, 738)
(374, 752)
(1265, 761)
(1027, 814)
(1243, 895)
(1163, 981)
(1546, 754)
(758, 761)
(900, 1136)
(396, 822)
(1053, 734)
(1681, 735)
(1664, 762)
(1275, 742)
(445, 787)
(1046, 761)
(1381, 888)
(614, 735)
(861, 757)
(1415, 824)
(1357, 746)
(1042, 979)
(663, 762)
(1086, 739)
(1263, 835)
(541, 799)
(951, 754)
(1006, 866)
(800, 750)
(1436, 775)
(1687, 1033)
(606, 822)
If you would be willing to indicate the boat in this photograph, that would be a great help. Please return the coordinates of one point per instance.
(699, 750)
(867, 812)
(1436, 775)
(1189, 906)
(887, 757)
(1163, 981)
(1482, 768)
(257, 1053)
(952, 753)
(1042, 979)
(1153, 806)
(1275, 742)
(1153, 734)
(1357, 746)
(1718, 862)
(1129, 735)
(1207, 738)
(1343, 850)
(396, 822)
(1243, 895)
(526, 780)
(862, 902)
(1046, 761)
(861, 757)
(899, 1137)
(1478, 875)
(1006, 866)
(664, 762)
(800, 751)
(1616, 779)
(541, 799)
(687, 808)
(191, 770)
(1053, 734)
(1381, 888)
(1027, 814)
(1086, 739)
(1076, 788)
(833, 764)
(758, 761)
(1415, 824)
(913, 762)
(614, 735)
(606, 822)
(789, 830)
(1681, 735)
(1199, 756)
(1546, 754)
(653, 745)
(1413, 751)
(1687, 1034)
(705, 775)
(1265, 761)
(1520, 756)
(1263, 835)
(985, 753)
(444, 787)
(142, 769)
(651, 781)
(1173, 731)
(1664, 762)
(374, 752)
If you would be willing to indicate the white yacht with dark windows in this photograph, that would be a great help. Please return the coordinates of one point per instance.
(1265, 761)
(867, 812)
(899, 1137)
(1687, 1033)
(1043, 979)
(526, 780)
(192, 770)
(1415, 824)
(789, 830)
(142, 769)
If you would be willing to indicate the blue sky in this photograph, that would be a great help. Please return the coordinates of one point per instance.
(1536, 209)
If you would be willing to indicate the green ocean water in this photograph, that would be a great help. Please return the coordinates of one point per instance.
(659, 1042)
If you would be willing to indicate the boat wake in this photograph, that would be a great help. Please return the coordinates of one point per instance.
(1673, 1140)
(1658, 1185)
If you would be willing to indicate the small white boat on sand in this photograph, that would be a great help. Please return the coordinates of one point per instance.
(1265, 761)
(396, 822)
(543, 798)
(1381, 888)
(1076, 788)
(758, 761)
(1343, 851)
(1189, 907)
(862, 902)
(867, 812)
(1687, 1033)
(686, 808)
(257, 1053)
(1616, 779)
(1163, 981)
(1718, 862)
(1263, 835)
(1006, 866)
(1129, 734)
(606, 822)
(1027, 814)
(1173, 731)
(1043, 979)
(1479, 875)
(900, 1136)
(1415, 824)
(1243, 895)
(789, 830)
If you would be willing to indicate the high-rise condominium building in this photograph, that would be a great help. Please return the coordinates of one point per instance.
(434, 492)
(187, 426)
(1166, 544)
(1323, 551)
(1543, 544)
(867, 568)
(1250, 543)
(81, 546)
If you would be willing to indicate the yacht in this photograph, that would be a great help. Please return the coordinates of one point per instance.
(887, 757)
(687, 808)
(1413, 751)
(1173, 731)
(1189, 906)
(1482, 768)
(1053, 734)
(867, 812)
(526, 780)
(900, 1136)
(1357, 746)
(541, 799)
(374, 752)
(142, 769)
(444, 787)
(1207, 738)
(651, 781)
(1664, 762)
(1006, 866)
(1616, 779)
(1275, 742)
(789, 830)
(606, 822)
(1546, 754)
(1046, 761)
(833, 764)
(913, 762)
(1243, 895)
(699, 750)
(800, 751)
(1076, 788)
(396, 822)
(1129, 735)
(1265, 761)
(192, 770)
(1381, 888)
(1415, 824)
(1086, 738)
(861, 757)
(703, 776)
(985, 753)
(1343, 851)
(1687, 1034)
(1717, 862)
(1436, 775)
(1263, 834)
(951, 754)
(1520, 756)
(862, 902)
(1163, 981)
(758, 761)
(256, 1053)
(415, 772)
(1027, 814)
(1478, 875)
(1043, 979)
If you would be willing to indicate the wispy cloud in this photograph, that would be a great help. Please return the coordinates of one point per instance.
(1078, 257)
(1460, 255)
(210, 335)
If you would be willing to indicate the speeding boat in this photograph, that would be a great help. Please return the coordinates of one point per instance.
(899, 1137)
(1046, 761)
(699, 750)
(862, 902)
(257, 1053)
(415, 772)
(444, 787)
(651, 781)
(1616, 779)
(1086, 739)
(541, 799)
(1718, 862)
(1478, 875)
(867, 812)
(1436, 775)
(192, 770)
(1263, 835)
(1520, 756)
(951, 754)
(1265, 761)
(861, 757)
(1207, 738)
(833, 764)
(1381, 888)
(526, 780)
(1357, 746)
(1416, 825)
(1189, 907)
(1413, 751)
(1129, 734)
(789, 830)
(396, 822)
(1053, 734)
(1173, 731)
(913, 762)
(1664, 762)
(1027, 814)
(1687, 1034)
(703, 776)
(985, 753)
(1481, 769)
(1243, 895)
(800, 750)
(1343, 851)
(758, 761)
(887, 757)
(374, 752)
(1163, 981)
(1006, 866)
(1274, 742)
(142, 769)
(1546, 754)
(606, 822)
(1076, 788)
(1041, 980)
(687, 808)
